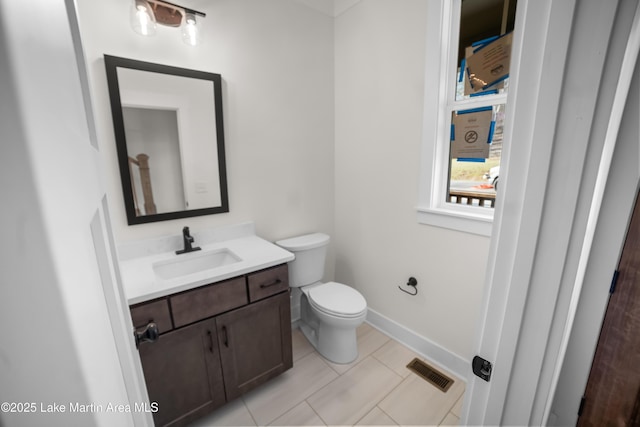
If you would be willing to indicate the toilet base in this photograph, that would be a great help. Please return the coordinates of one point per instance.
(347, 353)
(334, 339)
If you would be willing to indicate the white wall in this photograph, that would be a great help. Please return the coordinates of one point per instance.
(276, 62)
(380, 62)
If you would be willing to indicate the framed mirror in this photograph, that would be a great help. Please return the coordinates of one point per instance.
(170, 140)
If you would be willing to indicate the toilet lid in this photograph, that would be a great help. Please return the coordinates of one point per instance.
(338, 299)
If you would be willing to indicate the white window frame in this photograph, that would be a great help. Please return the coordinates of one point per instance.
(443, 29)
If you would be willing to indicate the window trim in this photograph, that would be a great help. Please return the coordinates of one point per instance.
(442, 41)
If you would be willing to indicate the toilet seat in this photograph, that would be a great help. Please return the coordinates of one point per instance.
(337, 299)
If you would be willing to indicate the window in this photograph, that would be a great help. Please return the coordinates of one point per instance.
(463, 124)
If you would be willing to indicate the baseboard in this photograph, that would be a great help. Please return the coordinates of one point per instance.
(429, 350)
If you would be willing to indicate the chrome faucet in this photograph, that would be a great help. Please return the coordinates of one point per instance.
(188, 240)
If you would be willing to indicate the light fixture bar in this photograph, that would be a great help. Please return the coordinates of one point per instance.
(186, 9)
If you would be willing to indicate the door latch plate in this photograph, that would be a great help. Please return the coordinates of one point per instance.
(482, 368)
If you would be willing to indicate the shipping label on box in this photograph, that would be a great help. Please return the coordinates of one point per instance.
(489, 64)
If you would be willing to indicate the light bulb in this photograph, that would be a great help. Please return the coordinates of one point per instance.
(190, 31)
(142, 19)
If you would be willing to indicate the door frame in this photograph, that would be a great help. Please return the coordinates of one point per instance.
(608, 222)
(542, 237)
(608, 242)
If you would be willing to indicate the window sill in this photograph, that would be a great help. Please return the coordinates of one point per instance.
(455, 219)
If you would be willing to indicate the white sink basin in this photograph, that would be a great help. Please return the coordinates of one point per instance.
(194, 262)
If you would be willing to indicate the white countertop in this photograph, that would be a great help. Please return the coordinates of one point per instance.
(141, 283)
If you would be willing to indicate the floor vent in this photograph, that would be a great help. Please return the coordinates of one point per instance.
(426, 372)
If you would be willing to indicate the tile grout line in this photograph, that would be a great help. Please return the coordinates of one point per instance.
(453, 415)
(315, 352)
(451, 410)
(255, 422)
(459, 399)
(387, 365)
(385, 396)
(402, 380)
(372, 355)
(339, 375)
(315, 412)
(327, 384)
(444, 418)
(384, 412)
(289, 409)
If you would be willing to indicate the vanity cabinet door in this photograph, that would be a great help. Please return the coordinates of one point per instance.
(183, 375)
(255, 343)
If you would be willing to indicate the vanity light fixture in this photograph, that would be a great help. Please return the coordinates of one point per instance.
(143, 20)
(190, 31)
(145, 14)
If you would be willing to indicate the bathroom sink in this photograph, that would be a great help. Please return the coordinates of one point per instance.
(195, 262)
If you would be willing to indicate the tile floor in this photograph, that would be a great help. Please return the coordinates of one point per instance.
(376, 389)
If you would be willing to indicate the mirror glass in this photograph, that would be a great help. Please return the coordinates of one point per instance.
(170, 140)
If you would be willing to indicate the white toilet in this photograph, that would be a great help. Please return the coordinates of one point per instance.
(329, 312)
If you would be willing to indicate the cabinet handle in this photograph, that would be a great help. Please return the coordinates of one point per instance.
(150, 333)
(210, 341)
(226, 337)
(268, 285)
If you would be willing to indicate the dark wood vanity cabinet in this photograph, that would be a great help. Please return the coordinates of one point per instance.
(183, 373)
(255, 343)
(216, 342)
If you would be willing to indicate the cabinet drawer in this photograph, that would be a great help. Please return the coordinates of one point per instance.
(155, 311)
(268, 282)
(198, 304)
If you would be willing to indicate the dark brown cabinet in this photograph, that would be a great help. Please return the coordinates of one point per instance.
(216, 342)
(255, 343)
(183, 373)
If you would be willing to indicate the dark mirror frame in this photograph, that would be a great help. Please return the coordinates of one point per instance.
(112, 63)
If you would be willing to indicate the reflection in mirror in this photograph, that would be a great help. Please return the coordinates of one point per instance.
(170, 140)
(154, 134)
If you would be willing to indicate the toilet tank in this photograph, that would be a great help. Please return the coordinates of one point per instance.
(310, 251)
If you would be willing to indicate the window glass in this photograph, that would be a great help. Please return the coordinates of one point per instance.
(476, 147)
(484, 47)
(477, 107)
